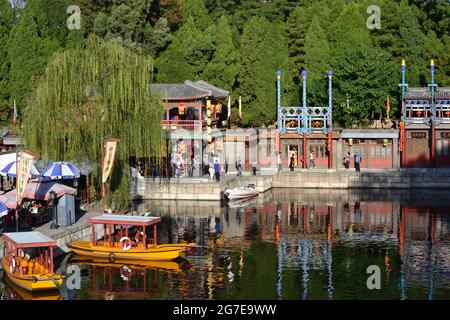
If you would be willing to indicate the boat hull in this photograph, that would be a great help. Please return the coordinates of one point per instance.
(33, 282)
(242, 195)
(152, 253)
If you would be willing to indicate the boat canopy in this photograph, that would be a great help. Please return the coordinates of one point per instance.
(124, 220)
(31, 239)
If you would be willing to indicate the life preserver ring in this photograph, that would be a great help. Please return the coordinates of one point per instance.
(112, 257)
(126, 243)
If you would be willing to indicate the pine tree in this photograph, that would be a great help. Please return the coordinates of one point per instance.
(197, 10)
(6, 21)
(187, 56)
(317, 61)
(222, 69)
(28, 54)
(349, 32)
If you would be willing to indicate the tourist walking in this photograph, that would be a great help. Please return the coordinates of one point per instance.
(226, 165)
(217, 170)
(254, 167)
(358, 162)
(291, 163)
(312, 162)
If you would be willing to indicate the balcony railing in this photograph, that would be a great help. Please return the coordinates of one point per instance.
(185, 124)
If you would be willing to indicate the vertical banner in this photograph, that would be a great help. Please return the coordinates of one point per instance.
(109, 147)
(388, 106)
(240, 107)
(24, 162)
(229, 107)
(14, 113)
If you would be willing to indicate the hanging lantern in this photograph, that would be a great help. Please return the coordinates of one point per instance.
(218, 108)
(208, 121)
(208, 113)
(350, 141)
(316, 123)
(181, 109)
(385, 143)
(208, 130)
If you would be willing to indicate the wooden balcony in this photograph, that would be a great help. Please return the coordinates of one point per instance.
(186, 124)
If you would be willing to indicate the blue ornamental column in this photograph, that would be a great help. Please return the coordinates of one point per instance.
(279, 99)
(433, 115)
(305, 121)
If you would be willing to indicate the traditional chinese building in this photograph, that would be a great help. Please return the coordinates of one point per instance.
(305, 129)
(193, 118)
(425, 124)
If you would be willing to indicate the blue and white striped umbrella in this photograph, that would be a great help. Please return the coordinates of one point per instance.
(3, 209)
(11, 171)
(61, 170)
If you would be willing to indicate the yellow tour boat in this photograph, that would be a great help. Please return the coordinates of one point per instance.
(127, 238)
(165, 265)
(28, 261)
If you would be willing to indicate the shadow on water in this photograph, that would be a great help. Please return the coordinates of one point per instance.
(291, 244)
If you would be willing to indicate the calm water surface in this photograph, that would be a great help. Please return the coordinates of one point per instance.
(289, 244)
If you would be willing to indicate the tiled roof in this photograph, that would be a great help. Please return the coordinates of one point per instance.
(418, 93)
(188, 90)
(443, 93)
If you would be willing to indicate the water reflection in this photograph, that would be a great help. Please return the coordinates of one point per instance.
(292, 244)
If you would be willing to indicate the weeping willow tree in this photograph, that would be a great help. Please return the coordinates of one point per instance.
(93, 92)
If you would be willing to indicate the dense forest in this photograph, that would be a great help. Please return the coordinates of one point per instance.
(239, 45)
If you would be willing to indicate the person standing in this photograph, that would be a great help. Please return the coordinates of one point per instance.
(226, 165)
(291, 163)
(312, 163)
(211, 171)
(279, 161)
(239, 167)
(217, 170)
(254, 167)
(347, 161)
(358, 162)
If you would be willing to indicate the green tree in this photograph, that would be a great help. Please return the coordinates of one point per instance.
(223, 67)
(365, 79)
(197, 10)
(187, 55)
(349, 32)
(317, 61)
(86, 94)
(6, 21)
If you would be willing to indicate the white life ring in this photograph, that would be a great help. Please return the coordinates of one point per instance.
(126, 243)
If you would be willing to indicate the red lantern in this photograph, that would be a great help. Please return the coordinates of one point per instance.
(317, 123)
(181, 108)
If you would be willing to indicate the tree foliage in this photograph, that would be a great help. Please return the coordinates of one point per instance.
(90, 93)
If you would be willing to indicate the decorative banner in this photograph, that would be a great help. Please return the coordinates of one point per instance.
(229, 107)
(110, 146)
(388, 106)
(240, 107)
(25, 161)
(14, 113)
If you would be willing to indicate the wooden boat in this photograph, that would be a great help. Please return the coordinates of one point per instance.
(167, 265)
(242, 192)
(14, 292)
(28, 261)
(126, 238)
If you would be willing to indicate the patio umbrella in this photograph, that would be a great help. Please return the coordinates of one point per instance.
(11, 171)
(3, 210)
(61, 170)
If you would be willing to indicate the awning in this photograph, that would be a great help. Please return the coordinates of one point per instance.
(40, 190)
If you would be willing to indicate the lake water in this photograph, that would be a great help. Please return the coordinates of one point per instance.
(289, 244)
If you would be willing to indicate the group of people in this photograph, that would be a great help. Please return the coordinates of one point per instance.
(312, 162)
(357, 160)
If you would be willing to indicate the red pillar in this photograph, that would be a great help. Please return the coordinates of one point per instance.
(155, 235)
(330, 149)
(402, 145)
(305, 163)
(433, 145)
